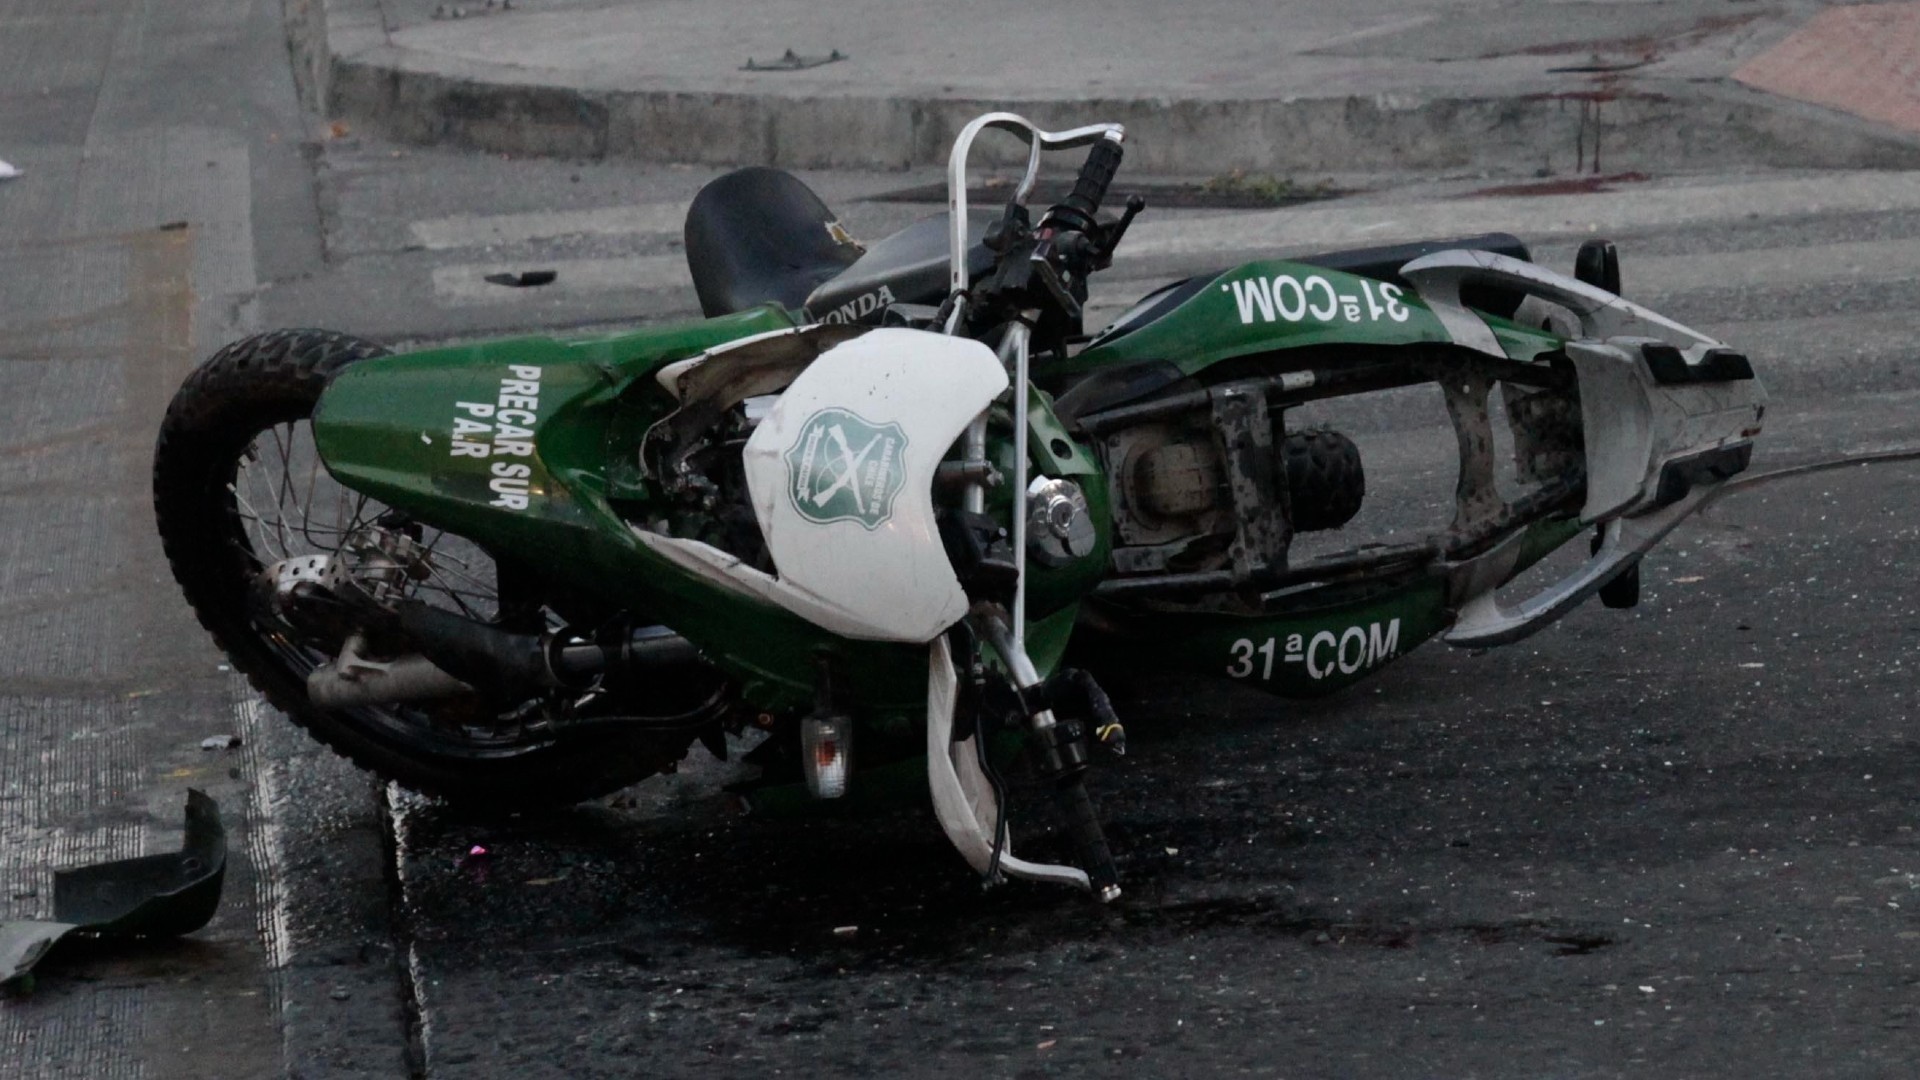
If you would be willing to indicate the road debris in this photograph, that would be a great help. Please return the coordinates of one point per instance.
(792, 61)
(8, 172)
(219, 742)
(146, 897)
(527, 280)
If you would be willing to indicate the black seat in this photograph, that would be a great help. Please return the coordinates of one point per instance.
(759, 234)
(756, 235)
(911, 266)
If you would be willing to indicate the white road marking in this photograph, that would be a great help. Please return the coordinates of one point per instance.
(1632, 208)
(266, 843)
(466, 283)
(480, 230)
(1864, 262)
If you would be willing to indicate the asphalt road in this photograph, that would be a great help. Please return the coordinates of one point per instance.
(1675, 841)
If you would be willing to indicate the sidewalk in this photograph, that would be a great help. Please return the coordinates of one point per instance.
(1280, 86)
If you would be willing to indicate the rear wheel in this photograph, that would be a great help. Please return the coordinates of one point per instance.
(238, 487)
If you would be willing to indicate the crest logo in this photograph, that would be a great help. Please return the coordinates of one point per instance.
(844, 468)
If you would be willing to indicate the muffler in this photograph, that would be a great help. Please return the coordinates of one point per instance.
(458, 656)
(350, 681)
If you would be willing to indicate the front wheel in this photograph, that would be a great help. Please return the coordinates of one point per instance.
(238, 487)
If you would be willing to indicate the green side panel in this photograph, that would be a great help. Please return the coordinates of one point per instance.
(1521, 342)
(1047, 638)
(1272, 305)
(511, 444)
(1301, 653)
(401, 429)
(500, 440)
(1323, 641)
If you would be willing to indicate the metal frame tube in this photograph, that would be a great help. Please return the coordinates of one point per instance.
(1013, 353)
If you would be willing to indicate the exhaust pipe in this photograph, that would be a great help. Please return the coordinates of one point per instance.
(460, 656)
(351, 682)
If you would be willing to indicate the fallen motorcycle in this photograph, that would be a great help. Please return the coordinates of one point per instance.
(867, 501)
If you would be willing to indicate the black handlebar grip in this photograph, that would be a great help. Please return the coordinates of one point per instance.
(1102, 162)
(1089, 843)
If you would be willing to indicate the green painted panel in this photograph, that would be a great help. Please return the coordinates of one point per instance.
(1301, 653)
(511, 444)
(1271, 305)
(1322, 641)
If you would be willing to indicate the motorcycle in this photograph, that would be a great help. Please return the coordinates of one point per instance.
(869, 499)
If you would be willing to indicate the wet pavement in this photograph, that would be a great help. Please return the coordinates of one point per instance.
(1678, 840)
(1673, 841)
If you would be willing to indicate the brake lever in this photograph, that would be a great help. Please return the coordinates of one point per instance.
(1112, 233)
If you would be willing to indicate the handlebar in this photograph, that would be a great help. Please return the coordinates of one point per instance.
(1036, 140)
(1103, 161)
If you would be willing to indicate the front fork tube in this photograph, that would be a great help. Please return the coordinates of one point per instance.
(1062, 748)
(1013, 353)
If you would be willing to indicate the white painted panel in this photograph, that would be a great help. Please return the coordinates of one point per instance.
(841, 476)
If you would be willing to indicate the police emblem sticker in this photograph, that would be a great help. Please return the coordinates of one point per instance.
(845, 468)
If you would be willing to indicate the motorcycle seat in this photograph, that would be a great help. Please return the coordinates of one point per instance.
(757, 235)
(911, 266)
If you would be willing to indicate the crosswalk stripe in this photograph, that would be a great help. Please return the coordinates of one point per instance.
(1647, 276)
(1865, 262)
(481, 230)
(1636, 208)
(1811, 346)
(465, 283)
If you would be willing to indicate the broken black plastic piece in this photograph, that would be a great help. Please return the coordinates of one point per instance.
(525, 280)
(153, 895)
(1074, 694)
(149, 896)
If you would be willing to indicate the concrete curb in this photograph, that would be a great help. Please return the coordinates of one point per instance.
(342, 46)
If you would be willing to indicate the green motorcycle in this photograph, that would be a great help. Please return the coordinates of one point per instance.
(868, 500)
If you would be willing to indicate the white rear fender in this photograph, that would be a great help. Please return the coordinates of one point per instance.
(1667, 415)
